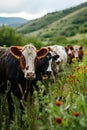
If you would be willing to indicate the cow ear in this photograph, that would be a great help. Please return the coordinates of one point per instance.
(50, 48)
(81, 47)
(16, 51)
(42, 52)
(66, 49)
(71, 47)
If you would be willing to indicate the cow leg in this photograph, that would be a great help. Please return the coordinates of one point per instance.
(3, 87)
(29, 90)
(10, 105)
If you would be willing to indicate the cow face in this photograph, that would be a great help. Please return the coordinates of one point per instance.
(70, 53)
(43, 66)
(78, 52)
(56, 58)
(70, 50)
(29, 53)
(56, 62)
(27, 56)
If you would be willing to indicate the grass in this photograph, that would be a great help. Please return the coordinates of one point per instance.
(64, 105)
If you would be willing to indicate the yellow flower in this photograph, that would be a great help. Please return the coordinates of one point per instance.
(73, 79)
(74, 60)
(85, 52)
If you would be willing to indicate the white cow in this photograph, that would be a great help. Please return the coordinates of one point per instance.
(60, 63)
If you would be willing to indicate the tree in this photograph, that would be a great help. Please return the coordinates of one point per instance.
(8, 36)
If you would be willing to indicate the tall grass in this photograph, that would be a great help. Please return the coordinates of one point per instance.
(64, 106)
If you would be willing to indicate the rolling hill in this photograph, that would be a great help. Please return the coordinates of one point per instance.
(68, 23)
(12, 21)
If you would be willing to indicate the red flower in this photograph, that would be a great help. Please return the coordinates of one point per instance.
(59, 103)
(76, 114)
(59, 120)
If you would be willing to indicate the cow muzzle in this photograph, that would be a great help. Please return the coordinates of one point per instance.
(30, 75)
(48, 73)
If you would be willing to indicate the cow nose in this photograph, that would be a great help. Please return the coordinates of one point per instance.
(69, 54)
(48, 73)
(30, 75)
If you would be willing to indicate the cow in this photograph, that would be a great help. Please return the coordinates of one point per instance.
(17, 65)
(78, 52)
(43, 72)
(75, 51)
(59, 63)
(44, 69)
(70, 53)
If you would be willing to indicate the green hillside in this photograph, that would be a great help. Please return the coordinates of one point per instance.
(68, 23)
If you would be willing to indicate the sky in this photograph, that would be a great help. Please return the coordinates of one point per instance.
(32, 9)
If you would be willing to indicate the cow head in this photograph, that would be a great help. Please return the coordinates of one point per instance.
(43, 65)
(56, 60)
(27, 56)
(70, 53)
(70, 50)
(78, 52)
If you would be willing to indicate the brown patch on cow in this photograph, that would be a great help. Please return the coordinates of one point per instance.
(81, 53)
(22, 62)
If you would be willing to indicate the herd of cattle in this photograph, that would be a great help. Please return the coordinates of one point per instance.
(23, 66)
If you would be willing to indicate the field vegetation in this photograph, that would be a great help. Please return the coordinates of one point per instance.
(65, 103)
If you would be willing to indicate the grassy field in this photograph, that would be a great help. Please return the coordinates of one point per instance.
(64, 105)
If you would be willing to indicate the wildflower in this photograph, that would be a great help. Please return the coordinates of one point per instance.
(73, 79)
(76, 114)
(74, 60)
(59, 103)
(85, 52)
(59, 120)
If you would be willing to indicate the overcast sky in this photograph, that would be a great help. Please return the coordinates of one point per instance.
(32, 9)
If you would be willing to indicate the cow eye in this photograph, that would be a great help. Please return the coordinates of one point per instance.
(55, 57)
(22, 62)
(71, 48)
(23, 59)
(48, 56)
(27, 67)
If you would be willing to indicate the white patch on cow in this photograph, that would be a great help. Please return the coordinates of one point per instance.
(29, 52)
(50, 64)
(76, 51)
(69, 52)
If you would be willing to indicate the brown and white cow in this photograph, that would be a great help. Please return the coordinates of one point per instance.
(74, 52)
(78, 52)
(17, 65)
(70, 53)
(27, 55)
